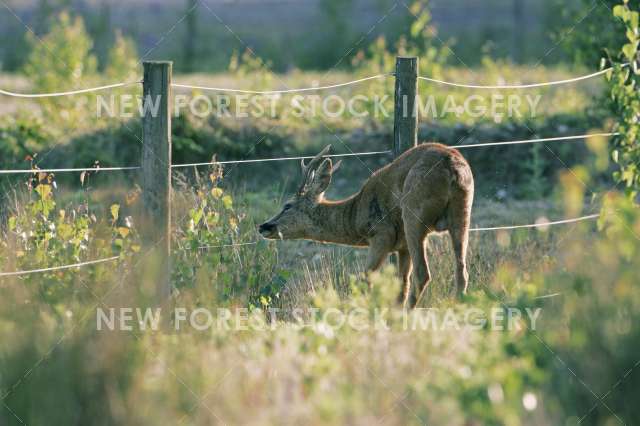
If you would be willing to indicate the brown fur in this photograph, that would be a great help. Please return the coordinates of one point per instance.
(427, 189)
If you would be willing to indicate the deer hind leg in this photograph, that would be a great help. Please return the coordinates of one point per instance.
(415, 234)
(459, 218)
(404, 270)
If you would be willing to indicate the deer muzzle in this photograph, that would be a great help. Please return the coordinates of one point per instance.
(268, 230)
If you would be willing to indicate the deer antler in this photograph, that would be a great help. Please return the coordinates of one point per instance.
(315, 161)
(309, 169)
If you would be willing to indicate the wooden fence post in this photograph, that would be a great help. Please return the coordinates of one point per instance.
(405, 120)
(156, 170)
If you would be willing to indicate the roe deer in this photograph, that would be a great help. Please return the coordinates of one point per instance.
(428, 188)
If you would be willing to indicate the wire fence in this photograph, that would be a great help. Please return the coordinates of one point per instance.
(59, 268)
(517, 86)
(542, 224)
(358, 154)
(307, 157)
(82, 169)
(280, 92)
(68, 93)
(312, 88)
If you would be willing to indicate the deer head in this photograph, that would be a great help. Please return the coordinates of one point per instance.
(296, 218)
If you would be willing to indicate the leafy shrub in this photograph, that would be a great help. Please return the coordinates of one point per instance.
(42, 234)
(623, 81)
(22, 135)
(599, 33)
(62, 60)
(122, 60)
(210, 241)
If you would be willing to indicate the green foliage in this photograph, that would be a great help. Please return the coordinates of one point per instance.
(421, 41)
(596, 333)
(62, 60)
(587, 31)
(42, 234)
(623, 82)
(205, 254)
(248, 64)
(122, 60)
(536, 187)
(22, 135)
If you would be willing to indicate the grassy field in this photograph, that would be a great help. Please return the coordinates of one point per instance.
(284, 356)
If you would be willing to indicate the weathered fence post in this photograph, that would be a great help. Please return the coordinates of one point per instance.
(405, 121)
(156, 170)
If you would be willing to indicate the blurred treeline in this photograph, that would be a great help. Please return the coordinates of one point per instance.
(318, 34)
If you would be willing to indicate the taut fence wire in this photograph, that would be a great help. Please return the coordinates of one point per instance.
(517, 86)
(59, 268)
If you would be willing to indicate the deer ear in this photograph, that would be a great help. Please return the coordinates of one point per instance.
(336, 167)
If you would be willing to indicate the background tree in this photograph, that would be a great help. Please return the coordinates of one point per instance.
(191, 36)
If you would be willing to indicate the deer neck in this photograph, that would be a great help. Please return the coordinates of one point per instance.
(335, 222)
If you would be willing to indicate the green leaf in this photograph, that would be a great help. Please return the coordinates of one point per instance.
(630, 50)
(44, 191)
(216, 192)
(633, 18)
(65, 231)
(620, 11)
(115, 210)
(196, 216)
(227, 201)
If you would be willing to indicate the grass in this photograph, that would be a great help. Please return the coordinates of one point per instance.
(60, 369)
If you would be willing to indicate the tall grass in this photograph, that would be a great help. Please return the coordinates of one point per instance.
(57, 367)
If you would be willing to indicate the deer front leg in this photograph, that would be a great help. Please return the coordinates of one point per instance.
(379, 247)
(404, 270)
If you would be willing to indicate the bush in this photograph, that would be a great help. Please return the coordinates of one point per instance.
(22, 135)
(623, 81)
(62, 60)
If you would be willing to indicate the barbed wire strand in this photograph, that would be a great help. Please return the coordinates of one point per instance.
(275, 92)
(524, 141)
(58, 268)
(280, 159)
(517, 86)
(87, 169)
(69, 93)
